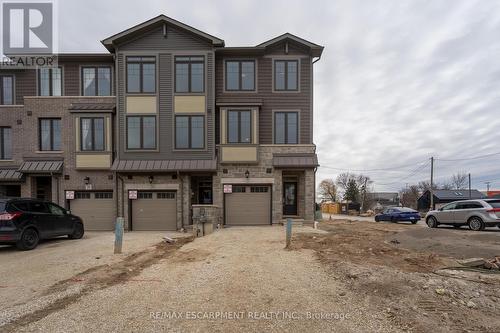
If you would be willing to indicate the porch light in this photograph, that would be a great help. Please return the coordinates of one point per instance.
(247, 174)
(150, 179)
(86, 180)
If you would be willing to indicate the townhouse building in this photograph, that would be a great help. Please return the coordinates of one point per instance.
(168, 119)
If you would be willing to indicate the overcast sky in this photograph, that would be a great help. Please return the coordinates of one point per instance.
(399, 81)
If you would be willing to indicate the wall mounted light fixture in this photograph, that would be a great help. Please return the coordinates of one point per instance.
(86, 180)
(247, 174)
(150, 179)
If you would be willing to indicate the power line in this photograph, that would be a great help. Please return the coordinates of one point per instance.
(368, 170)
(412, 173)
(468, 158)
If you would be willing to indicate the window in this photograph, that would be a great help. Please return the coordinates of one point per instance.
(38, 207)
(103, 195)
(239, 189)
(5, 143)
(189, 74)
(165, 195)
(141, 74)
(82, 195)
(141, 132)
(259, 189)
(55, 210)
(239, 126)
(286, 75)
(92, 134)
(286, 128)
(240, 75)
(6, 90)
(50, 134)
(50, 81)
(96, 81)
(144, 195)
(189, 132)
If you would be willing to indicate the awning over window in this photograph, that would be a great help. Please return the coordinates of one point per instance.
(41, 167)
(163, 165)
(10, 175)
(92, 107)
(295, 161)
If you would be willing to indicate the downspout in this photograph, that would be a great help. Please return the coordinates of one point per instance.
(182, 198)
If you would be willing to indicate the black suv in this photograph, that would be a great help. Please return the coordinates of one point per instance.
(24, 222)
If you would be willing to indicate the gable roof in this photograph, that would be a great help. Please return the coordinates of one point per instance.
(316, 49)
(157, 21)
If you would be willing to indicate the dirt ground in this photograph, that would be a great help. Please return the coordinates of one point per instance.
(345, 277)
(403, 271)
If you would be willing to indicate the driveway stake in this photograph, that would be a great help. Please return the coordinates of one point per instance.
(288, 232)
(118, 235)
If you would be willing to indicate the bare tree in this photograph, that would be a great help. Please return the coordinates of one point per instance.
(425, 185)
(446, 186)
(328, 190)
(459, 181)
(409, 196)
(343, 180)
(363, 182)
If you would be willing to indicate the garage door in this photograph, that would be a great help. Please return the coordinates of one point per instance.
(154, 211)
(97, 209)
(248, 205)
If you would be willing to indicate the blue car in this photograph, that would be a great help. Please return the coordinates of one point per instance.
(395, 214)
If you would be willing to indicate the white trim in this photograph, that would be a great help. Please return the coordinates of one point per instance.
(243, 181)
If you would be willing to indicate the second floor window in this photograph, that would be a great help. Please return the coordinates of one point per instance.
(141, 132)
(5, 143)
(239, 126)
(6, 90)
(189, 132)
(50, 81)
(286, 75)
(141, 75)
(50, 134)
(189, 74)
(240, 75)
(92, 134)
(286, 128)
(96, 81)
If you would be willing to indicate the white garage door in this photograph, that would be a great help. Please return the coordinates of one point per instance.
(248, 205)
(97, 209)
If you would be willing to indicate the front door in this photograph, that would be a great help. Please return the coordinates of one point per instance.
(290, 198)
(44, 188)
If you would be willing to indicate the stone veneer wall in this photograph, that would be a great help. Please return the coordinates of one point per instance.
(258, 175)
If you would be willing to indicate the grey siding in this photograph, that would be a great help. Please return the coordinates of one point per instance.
(175, 40)
(274, 100)
(180, 43)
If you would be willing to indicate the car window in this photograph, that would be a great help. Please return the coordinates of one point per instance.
(472, 205)
(20, 205)
(461, 206)
(396, 210)
(38, 207)
(56, 210)
(449, 206)
(494, 204)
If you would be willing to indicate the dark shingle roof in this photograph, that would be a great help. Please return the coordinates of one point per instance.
(458, 194)
(295, 160)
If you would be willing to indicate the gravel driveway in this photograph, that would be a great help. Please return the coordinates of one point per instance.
(236, 278)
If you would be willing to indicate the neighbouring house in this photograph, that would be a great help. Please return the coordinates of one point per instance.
(168, 119)
(493, 194)
(379, 200)
(442, 197)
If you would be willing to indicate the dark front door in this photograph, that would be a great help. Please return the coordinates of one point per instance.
(290, 198)
(44, 188)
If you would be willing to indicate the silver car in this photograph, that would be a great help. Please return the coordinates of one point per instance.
(477, 214)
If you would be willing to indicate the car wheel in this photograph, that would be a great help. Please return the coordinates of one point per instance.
(414, 222)
(432, 222)
(457, 226)
(29, 240)
(377, 220)
(78, 232)
(476, 224)
(394, 220)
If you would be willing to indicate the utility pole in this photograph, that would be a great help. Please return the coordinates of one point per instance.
(432, 183)
(487, 186)
(470, 191)
(364, 196)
